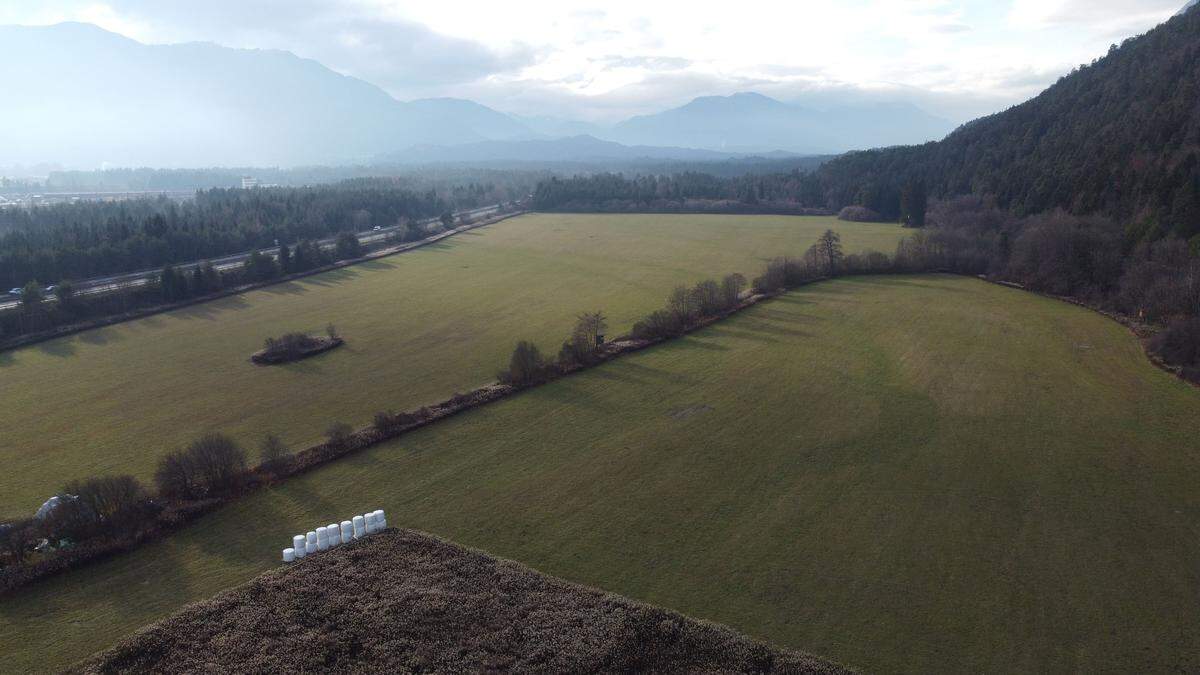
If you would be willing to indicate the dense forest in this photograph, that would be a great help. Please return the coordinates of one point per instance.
(684, 191)
(1119, 137)
(87, 239)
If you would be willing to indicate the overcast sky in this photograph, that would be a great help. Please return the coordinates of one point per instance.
(606, 61)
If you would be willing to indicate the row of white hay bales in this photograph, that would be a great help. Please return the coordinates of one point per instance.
(328, 536)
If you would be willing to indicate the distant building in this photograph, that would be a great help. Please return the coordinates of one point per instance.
(248, 182)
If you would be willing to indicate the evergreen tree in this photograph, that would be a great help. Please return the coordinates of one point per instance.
(31, 296)
(285, 258)
(914, 202)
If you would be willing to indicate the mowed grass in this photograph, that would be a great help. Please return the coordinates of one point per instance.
(419, 327)
(923, 474)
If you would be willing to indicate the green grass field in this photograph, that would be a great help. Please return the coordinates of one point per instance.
(922, 474)
(419, 327)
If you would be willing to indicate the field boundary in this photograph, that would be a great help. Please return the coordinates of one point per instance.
(719, 208)
(75, 328)
(179, 513)
(1141, 330)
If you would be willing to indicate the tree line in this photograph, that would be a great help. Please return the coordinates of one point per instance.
(1089, 258)
(686, 308)
(794, 191)
(97, 516)
(174, 284)
(89, 239)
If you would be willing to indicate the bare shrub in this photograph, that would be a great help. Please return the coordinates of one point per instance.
(273, 454)
(784, 273)
(338, 434)
(707, 298)
(110, 503)
(868, 262)
(585, 339)
(1179, 345)
(682, 304)
(658, 324)
(526, 366)
(17, 538)
(1067, 255)
(773, 278)
(827, 253)
(389, 422)
(1161, 281)
(731, 289)
(210, 466)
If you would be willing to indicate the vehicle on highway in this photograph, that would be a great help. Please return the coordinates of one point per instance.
(14, 291)
(50, 289)
(377, 228)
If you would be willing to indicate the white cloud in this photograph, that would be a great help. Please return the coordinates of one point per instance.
(602, 61)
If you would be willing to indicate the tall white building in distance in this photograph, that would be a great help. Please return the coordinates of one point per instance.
(248, 182)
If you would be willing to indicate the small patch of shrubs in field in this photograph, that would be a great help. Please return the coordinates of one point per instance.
(295, 346)
(859, 214)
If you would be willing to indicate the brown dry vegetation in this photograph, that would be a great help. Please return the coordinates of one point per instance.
(403, 601)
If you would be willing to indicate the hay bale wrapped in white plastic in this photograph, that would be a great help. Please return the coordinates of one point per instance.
(347, 531)
(381, 519)
(369, 522)
(298, 545)
(335, 535)
(322, 539)
(360, 527)
(289, 555)
(310, 542)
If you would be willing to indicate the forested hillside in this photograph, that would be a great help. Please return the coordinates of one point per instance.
(1119, 137)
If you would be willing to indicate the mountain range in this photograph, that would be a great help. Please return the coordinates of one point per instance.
(85, 97)
(750, 122)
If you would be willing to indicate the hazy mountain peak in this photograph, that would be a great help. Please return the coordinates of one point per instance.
(752, 122)
(203, 104)
(1187, 7)
(742, 100)
(480, 119)
(200, 103)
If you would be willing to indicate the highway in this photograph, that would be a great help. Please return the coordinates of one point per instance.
(118, 282)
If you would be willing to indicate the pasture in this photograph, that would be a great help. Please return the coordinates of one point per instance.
(923, 473)
(419, 326)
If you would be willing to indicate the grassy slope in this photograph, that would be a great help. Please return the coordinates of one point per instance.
(419, 327)
(917, 473)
